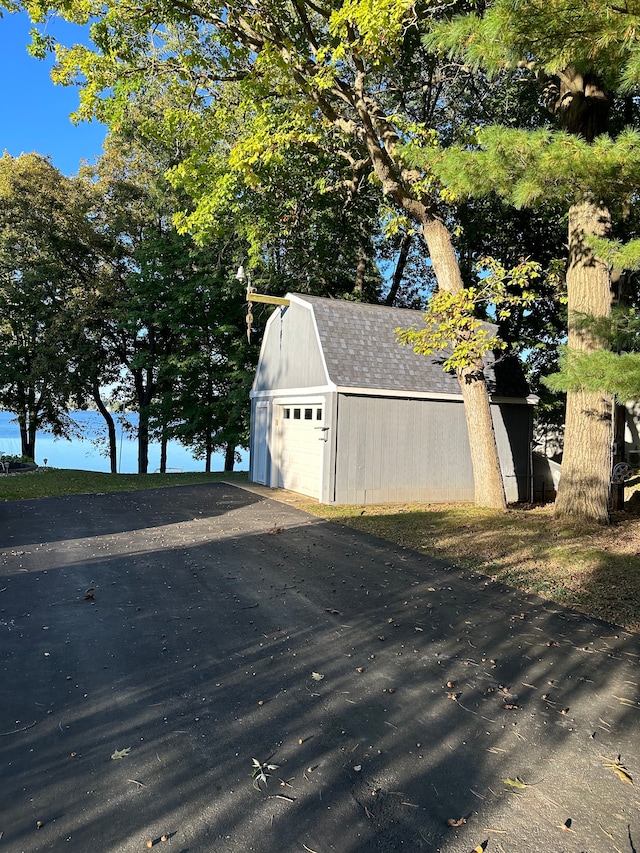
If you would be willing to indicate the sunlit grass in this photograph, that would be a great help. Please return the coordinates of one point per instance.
(53, 482)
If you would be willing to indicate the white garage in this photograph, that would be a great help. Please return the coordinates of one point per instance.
(342, 413)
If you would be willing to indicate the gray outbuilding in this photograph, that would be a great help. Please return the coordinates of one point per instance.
(341, 412)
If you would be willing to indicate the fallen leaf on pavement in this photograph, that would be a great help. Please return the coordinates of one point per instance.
(121, 753)
(515, 783)
(620, 771)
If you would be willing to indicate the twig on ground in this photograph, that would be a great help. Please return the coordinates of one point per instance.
(16, 731)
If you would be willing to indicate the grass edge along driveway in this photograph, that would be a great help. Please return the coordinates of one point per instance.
(592, 569)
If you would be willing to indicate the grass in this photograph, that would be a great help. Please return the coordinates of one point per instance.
(53, 482)
(590, 568)
(593, 569)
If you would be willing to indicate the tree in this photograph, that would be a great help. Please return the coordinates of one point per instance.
(204, 382)
(49, 259)
(589, 65)
(134, 328)
(355, 75)
(175, 319)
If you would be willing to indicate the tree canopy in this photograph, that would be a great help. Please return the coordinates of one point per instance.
(582, 59)
(51, 257)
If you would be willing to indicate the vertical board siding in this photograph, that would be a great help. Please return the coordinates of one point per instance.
(259, 455)
(260, 442)
(392, 450)
(396, 450)
(290, 355)
(513, 426)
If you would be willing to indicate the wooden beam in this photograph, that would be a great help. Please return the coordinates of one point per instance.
(272, 300)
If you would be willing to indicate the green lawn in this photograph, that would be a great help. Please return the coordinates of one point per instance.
(51, 482)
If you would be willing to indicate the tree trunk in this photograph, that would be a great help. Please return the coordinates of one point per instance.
(585, 479)
(27, 422)
(111, 427)
(361, 268)
(27, 411)
(208, 451)
(145, 389)
(229, 457)
(27, 440)
(143, 440)
(396, 183)
(163, 454)
(487, 474)
(398, 272)
(33, 421)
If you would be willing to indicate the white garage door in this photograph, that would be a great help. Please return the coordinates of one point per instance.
(300, 448)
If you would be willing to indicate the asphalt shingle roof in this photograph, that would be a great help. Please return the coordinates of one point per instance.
(361, 351)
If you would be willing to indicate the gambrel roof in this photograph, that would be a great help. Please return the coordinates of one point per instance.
(358, 349)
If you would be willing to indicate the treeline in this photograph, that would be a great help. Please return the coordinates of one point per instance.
(103, 302)
(483, 157)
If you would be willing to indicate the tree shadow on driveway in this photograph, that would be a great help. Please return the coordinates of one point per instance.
(394, 693)
(49, 520)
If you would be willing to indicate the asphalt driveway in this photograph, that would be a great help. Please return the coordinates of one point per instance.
(154, 644)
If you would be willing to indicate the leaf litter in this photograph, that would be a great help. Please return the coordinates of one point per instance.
(516, 783)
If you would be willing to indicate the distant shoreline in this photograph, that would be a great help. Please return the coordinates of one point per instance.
(88, 451)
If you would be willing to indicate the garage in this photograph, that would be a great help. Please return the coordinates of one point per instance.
(344, 414)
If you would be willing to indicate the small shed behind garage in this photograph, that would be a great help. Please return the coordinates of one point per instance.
(341, 412)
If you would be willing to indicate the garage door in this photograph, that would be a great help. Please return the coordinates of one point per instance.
(300, 448)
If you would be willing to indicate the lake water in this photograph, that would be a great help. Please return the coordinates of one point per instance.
(83, 453)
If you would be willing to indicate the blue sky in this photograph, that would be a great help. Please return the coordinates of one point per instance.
(34, 114)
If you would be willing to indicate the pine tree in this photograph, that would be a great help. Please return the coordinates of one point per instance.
(586, 63)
